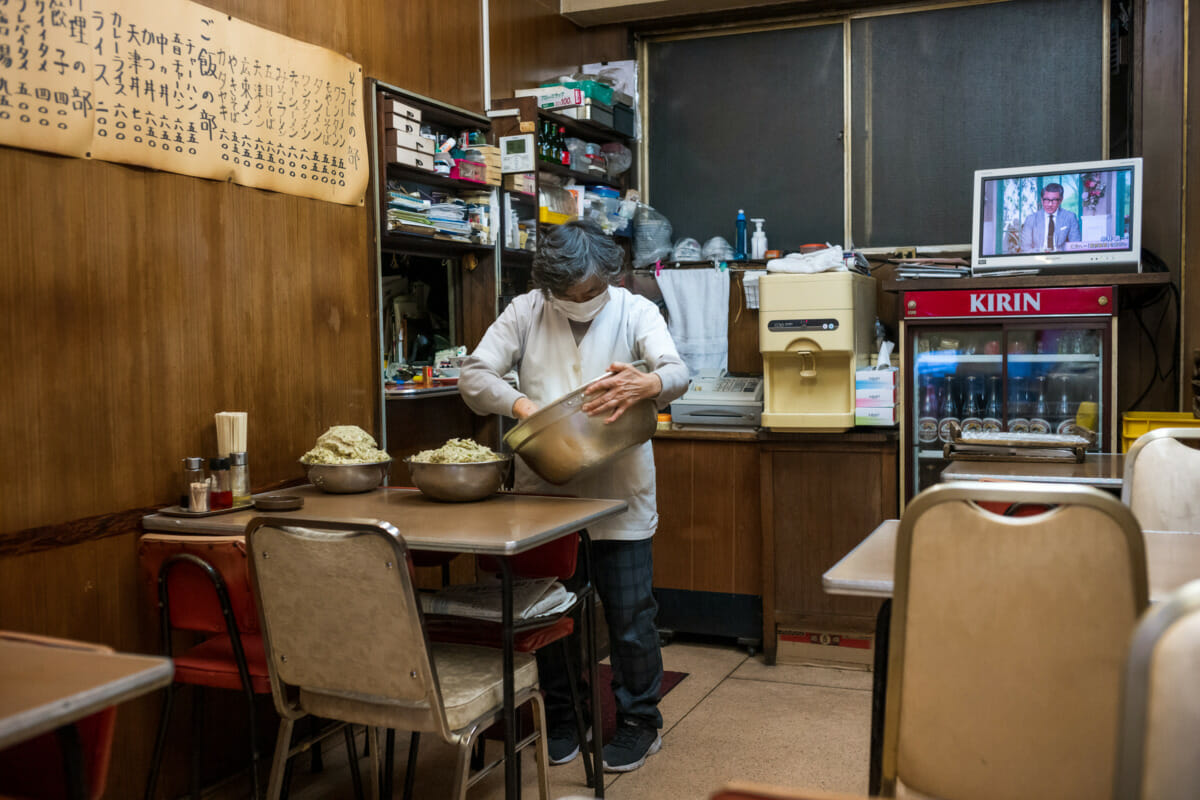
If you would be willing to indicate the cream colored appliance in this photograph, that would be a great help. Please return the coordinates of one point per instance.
(813, 332)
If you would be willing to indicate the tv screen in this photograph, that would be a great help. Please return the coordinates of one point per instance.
(1058, 217)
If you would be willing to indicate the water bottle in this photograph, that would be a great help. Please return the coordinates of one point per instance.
(739, 247)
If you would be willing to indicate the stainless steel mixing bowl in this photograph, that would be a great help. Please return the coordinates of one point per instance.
(560, 442)
(459, 483)
(347, 478)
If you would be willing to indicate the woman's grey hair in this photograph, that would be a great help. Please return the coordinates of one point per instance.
(573, 253)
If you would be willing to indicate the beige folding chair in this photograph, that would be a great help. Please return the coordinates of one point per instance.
(1008, 639)
(345, 640)
(1159, 755)
(1162, 480)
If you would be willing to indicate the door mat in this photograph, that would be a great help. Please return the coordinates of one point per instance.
(608, 704)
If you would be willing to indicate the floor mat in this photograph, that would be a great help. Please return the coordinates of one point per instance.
(608, 705)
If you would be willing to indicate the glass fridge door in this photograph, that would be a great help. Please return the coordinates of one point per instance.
(1054, 378)
(958, 375)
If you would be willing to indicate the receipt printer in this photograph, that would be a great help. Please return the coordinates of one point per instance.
(715, 398)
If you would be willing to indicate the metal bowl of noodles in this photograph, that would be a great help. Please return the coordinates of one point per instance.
(560, 442)
(347, 478)
(459, 483)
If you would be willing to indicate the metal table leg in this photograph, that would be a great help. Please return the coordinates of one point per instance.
(883, 624)
(592, 656)
(512, 788)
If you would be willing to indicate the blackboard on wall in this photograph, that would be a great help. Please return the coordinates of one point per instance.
(755, 120)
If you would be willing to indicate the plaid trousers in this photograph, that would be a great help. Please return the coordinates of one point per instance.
(624, 576)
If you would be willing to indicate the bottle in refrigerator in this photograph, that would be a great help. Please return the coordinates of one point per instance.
(927, 422)
(991, 412)
(1039, 420)
(1018, 407)
(949, 411)
(1063, 416)
(972, 419)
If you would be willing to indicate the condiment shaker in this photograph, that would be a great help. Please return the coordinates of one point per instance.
(239, 478)
(193, 472)
(222, 492)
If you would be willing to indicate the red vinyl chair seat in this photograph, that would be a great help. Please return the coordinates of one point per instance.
(459, 630)
(211, 663)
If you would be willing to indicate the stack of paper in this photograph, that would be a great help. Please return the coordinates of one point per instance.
(532, 597)
(931, 268)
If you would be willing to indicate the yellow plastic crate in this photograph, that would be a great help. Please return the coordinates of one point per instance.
(553, 217)
(1136, 423)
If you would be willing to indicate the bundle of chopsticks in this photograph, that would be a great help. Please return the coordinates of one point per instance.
(231, 432)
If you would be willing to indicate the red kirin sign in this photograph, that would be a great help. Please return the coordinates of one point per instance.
(1057, 302)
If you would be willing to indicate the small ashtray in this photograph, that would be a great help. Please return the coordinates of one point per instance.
(279, 502)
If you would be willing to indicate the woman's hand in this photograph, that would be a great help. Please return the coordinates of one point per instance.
(613, 394)
(524, 407)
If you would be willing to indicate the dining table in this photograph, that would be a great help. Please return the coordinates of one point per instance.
(504, 524)
(50, 684)
(1172, 559)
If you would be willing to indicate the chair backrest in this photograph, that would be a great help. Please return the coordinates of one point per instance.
(193, 599)
(1008, 638)
(1162, 480)
(341, 620)
(1159, 751)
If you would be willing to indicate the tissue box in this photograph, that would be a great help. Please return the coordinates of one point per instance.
(870, 378)
(875, 396)
(883, 416)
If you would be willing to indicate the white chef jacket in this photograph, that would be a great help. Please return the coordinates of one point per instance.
(535, 338)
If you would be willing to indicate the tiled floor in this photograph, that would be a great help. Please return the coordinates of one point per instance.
(732, 718)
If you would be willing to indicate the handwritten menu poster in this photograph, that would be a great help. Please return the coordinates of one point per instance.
(176, 86)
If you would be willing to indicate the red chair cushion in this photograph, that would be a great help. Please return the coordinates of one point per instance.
(554, 559)
(193, 599)
(34, 768)
(211, 663)
(1013, 509)
(459, 630)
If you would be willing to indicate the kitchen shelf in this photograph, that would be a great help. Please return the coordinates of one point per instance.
(950, 359)
(402, 172)
(580, 177)
(582, 128)
(417, 244)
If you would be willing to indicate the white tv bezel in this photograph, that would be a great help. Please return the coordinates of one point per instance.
(1067, 262)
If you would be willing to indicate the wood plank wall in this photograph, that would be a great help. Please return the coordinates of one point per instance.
(136, 303)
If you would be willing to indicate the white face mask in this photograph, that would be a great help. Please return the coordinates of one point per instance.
(581, 312)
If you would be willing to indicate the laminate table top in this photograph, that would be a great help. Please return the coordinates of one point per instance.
(1101, 470)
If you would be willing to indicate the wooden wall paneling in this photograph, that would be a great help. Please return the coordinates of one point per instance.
(530, 43)
(1190, 290)
(1160, 131)
(744, 355)
(478, 284)
(725, 533)
(674, 550)
(747, 521)
(767, 515)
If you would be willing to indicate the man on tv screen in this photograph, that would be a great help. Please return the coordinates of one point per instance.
(1050, 228)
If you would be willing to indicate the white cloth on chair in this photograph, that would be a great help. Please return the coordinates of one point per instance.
(698, 306)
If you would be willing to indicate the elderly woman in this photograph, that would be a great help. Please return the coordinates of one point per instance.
(571, 328)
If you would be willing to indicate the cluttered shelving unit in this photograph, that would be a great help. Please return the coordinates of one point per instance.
(537, 197)
(437, 182)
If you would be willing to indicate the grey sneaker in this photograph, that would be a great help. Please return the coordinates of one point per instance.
(630, 747)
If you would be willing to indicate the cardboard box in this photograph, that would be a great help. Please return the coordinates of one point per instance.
(874, 396)
(409, 158)
(398, 122)
(882, 416)
(846, 649)
(400, 109)
(553, 96)
(519, 182)
(864, 378)
(409, 141)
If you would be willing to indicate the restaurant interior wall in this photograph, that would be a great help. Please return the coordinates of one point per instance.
(137, 303)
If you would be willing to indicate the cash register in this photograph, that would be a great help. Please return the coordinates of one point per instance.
(715, 398)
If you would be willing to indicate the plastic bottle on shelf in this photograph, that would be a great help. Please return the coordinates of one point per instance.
(758, 241)
(739, 245)
(564, 154)
(991, 412)
(949, 411)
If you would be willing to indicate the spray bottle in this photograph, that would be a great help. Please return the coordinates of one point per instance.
(758, 242)
(739, 246)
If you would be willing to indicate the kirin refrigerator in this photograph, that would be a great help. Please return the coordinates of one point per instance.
(1018, 360)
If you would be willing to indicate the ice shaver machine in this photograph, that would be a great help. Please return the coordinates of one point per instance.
(814, 331)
